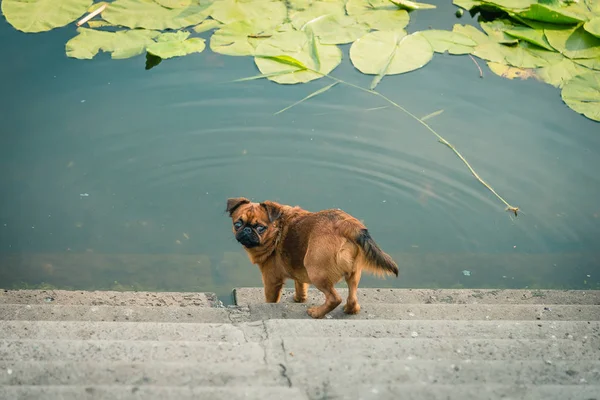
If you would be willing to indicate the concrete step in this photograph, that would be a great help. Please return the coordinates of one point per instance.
(431, 329)
(130, 351)
(107, 298)
(83, 330)
(249, 296)
(444, 372)
(134, 392)
(114, 313)
(451, 392)
(180, 373)
(348, 350)
(465, 312)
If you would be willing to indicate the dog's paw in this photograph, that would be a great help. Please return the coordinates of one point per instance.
(298, 299)
(314, 312)
(352, 308)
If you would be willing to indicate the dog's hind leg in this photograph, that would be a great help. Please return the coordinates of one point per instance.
(352, 279)
(301, 292)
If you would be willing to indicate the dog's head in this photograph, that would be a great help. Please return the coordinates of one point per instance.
(254, 223)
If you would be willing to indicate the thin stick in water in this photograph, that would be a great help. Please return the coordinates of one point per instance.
(91, 15)
(478, 67)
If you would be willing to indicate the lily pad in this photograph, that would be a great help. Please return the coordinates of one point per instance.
(169, 45)
(582, 94)
(489, 50)
(533, 36)
(495, 30)
(122, 44)
(390, 52)
(302, 15)
(378, 14)
(240, 38)
(337, 29)
(207, 25)
(412, 5)
(452, 42)
(174, 3)
(593, 26)
(513, 5)
(591, 63)
(295, 47)
(508, 72)
(558, 74)
(553, 14)
(467, 4)
(150, 15)
(574, 42)
(228, 11)
(42, 15)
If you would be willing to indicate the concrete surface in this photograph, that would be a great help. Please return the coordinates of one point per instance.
(248, 296)
(408, 344)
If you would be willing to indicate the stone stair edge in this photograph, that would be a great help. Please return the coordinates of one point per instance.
(244, 296)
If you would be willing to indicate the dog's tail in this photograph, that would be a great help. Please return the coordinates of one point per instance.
(372, 258)
(377, 261)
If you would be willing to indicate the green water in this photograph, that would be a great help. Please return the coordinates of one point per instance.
(115, 177)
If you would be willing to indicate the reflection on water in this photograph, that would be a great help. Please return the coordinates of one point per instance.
(116, 176)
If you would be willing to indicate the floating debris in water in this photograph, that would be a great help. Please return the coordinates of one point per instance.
(84, 195)
(466, 273)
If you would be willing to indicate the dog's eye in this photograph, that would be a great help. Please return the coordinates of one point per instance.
(237, 224)
(261, 229)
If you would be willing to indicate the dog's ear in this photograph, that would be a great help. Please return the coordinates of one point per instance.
(273, 209)
(234, 203)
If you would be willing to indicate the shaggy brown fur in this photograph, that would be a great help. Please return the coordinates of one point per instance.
(318, 248)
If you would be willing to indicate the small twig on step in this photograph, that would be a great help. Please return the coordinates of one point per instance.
(478, 67)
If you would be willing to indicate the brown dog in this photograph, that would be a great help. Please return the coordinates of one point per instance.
(309, 247)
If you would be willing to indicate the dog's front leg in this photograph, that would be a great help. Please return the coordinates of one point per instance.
(273, 286)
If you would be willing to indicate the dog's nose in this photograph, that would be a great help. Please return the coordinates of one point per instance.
(247, 230)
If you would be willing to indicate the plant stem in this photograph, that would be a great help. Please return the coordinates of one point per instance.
(509, 208)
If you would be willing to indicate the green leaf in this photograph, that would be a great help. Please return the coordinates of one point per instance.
(560, 73)
(487, 49)
(390, 52)
(412, 5)
(533, 36)
(174, 3)
(283, 49)
(593, 26)
(99, 23)
(228, 11)
(467, 4)
(495, 30)
(337, 29)
(240, 38)
(452, 42)
(591, 63)
(512, 5)
(169, 45)
(313, 94)
(207, 25)
(574, 42)
(552, 14)
(582, 94)
(150, 15)
(378, 14)
(301, 15)
(122, 44)
(42, 15)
